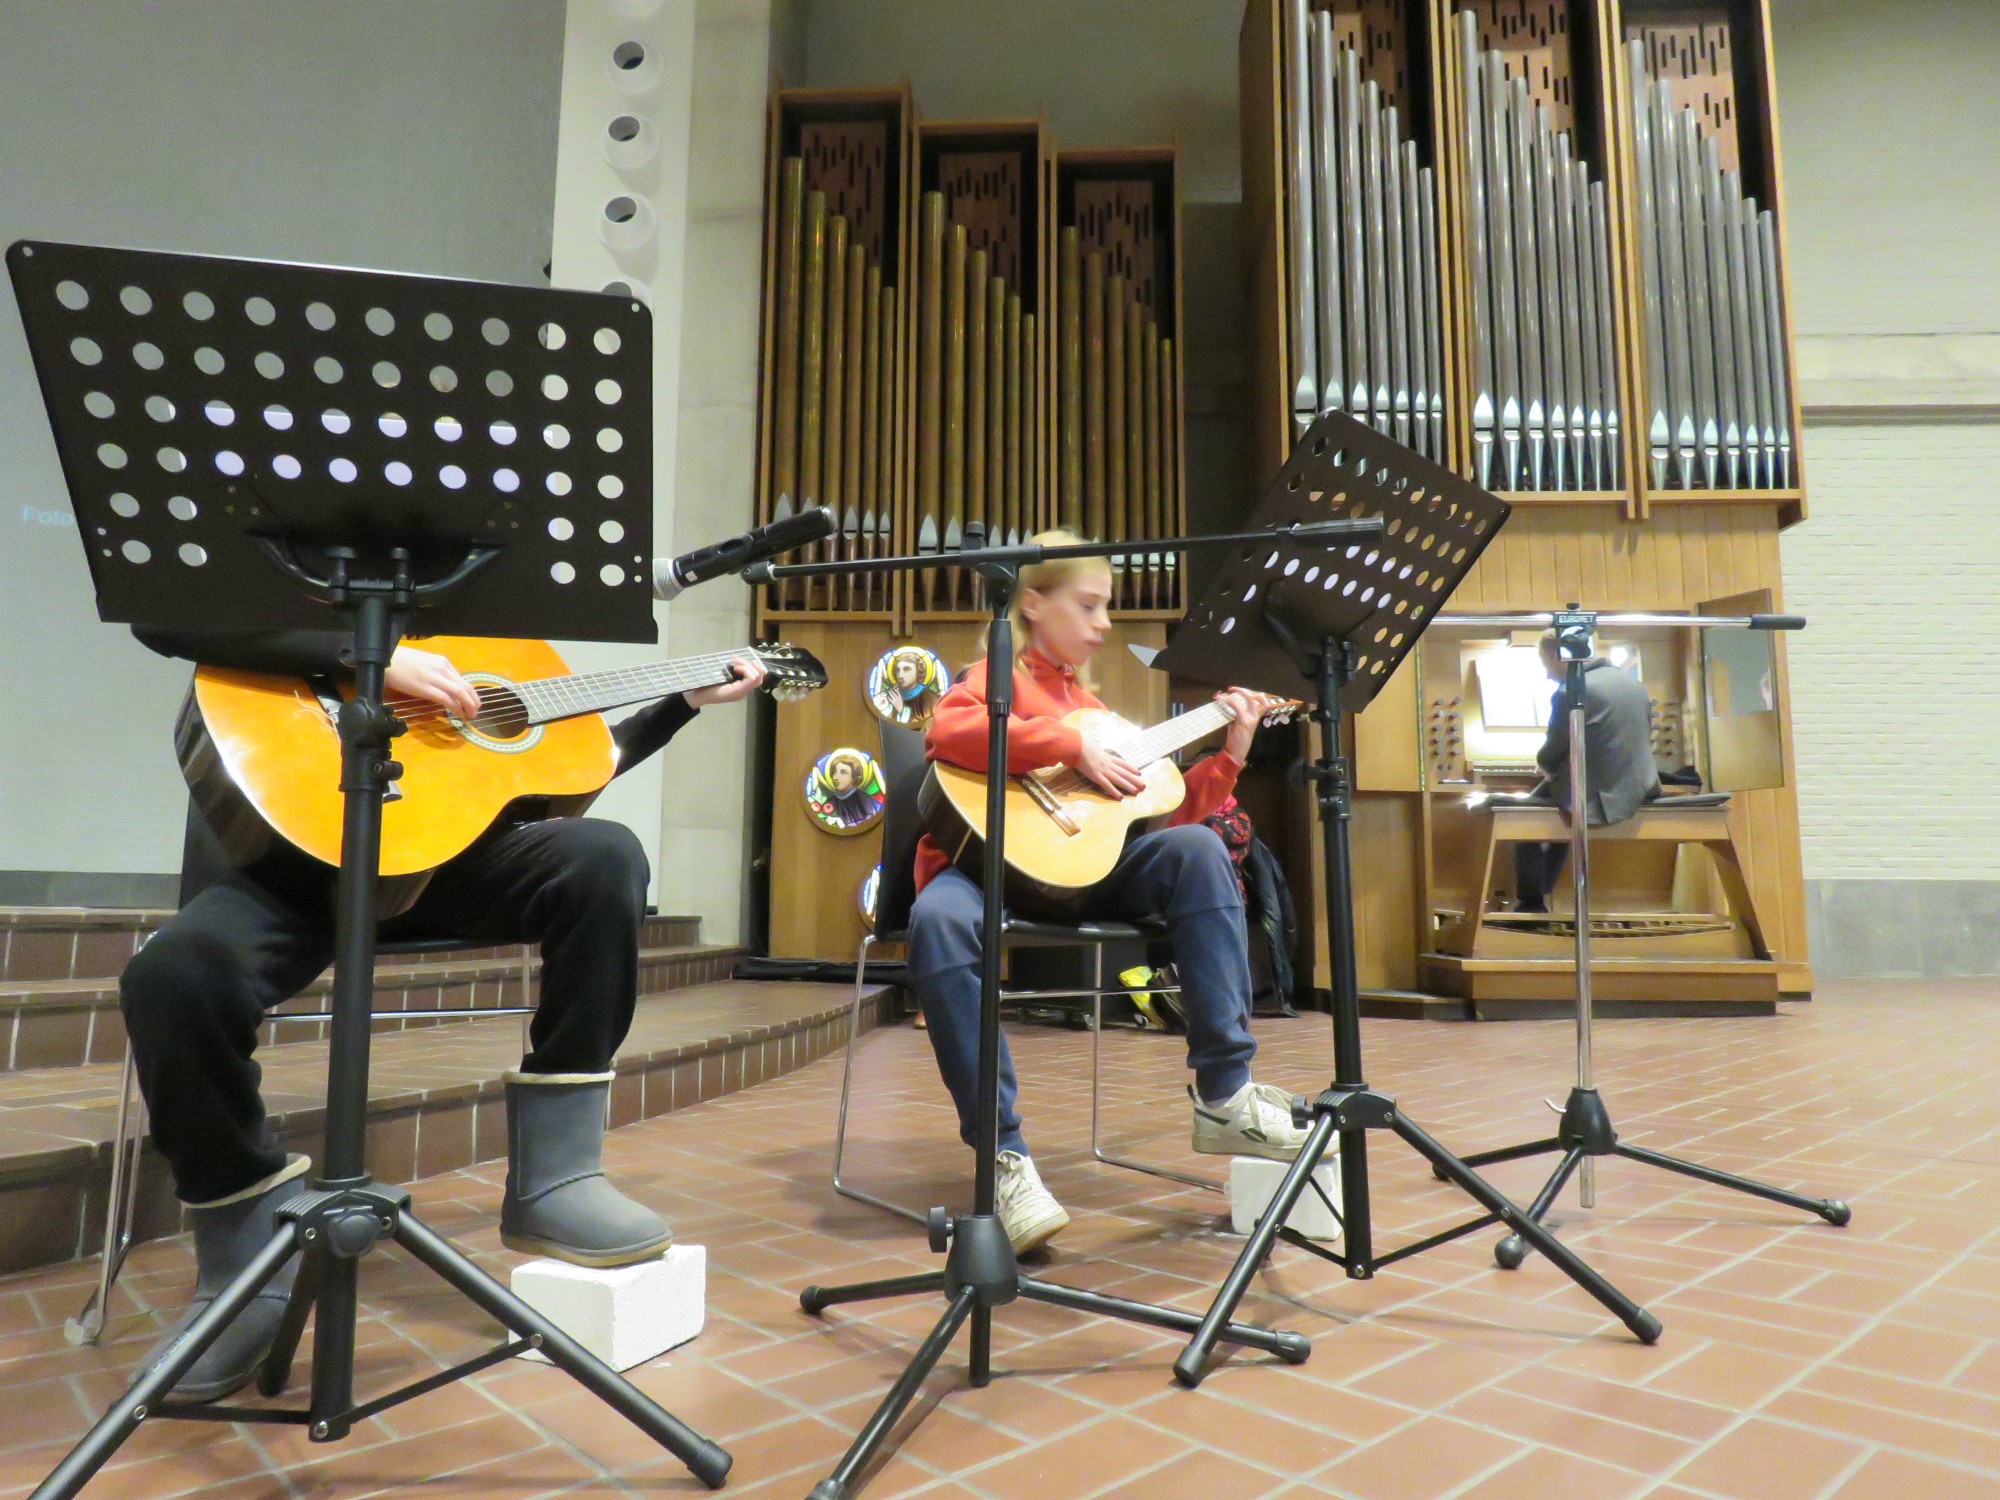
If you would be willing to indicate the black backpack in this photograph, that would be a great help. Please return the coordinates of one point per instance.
(1274, 932)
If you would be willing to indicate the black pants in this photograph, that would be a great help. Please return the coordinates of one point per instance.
(1536, 867)
(196, 994)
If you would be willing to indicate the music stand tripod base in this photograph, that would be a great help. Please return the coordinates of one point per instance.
(1345, 620)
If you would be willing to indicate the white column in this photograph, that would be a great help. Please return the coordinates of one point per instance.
(704, 813)
(621, 222)
(687, 152)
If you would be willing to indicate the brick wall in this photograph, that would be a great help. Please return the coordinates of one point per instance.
(1892, 215)
(1894, 712)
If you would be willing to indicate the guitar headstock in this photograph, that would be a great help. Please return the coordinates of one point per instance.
(793, 671)
(1281, 713)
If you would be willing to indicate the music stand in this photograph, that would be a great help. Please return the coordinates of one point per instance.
(248, 444)
(1276, 613)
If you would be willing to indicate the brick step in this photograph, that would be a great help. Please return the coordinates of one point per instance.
(435, 1101)
(58, 1023)
(82, 942)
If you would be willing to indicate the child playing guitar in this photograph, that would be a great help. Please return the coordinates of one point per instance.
(1180, 874)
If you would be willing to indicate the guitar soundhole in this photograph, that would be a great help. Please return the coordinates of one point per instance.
(502, 714)
(503, 722)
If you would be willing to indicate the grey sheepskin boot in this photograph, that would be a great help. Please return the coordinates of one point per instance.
(558, 1202)
(228, 1234)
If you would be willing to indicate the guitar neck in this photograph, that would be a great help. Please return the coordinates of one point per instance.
(1164, 739)
(550, 698)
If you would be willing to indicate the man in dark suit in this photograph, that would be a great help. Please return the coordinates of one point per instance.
(1617, 762)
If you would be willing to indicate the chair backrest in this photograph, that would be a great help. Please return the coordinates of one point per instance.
(903, 769)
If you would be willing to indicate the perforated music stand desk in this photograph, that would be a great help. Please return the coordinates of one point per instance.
(249, 443)
(205, 406)
(1344, 618)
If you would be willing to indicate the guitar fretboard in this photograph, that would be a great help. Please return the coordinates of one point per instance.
(565, 697)
(1164, 739)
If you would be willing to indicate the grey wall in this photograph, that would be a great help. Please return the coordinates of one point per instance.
(1892, 178)
(413, 135)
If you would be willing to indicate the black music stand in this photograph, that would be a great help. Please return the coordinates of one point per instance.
(248, 444)
(1275, 614)
(980, 1272)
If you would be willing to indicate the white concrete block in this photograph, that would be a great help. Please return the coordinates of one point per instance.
(625, 1315)
(1253, 1183)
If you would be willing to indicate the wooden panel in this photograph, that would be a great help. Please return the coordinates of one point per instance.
(1379, 31)
(1386, 835)
(1114, 219)
(1691, 48)
(850, 161)
(986, 192)
(1387, 755)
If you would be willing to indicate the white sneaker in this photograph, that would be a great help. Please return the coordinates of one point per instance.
(1028, 1211)
(1254, 1121)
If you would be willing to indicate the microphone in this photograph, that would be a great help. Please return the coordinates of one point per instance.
(671, 575)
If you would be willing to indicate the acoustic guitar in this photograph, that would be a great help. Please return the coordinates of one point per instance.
(1065, 833)
(261, 753)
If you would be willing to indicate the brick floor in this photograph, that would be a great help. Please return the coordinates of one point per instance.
(1798, 1360)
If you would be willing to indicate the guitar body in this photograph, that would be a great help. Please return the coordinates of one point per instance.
(262, 755)
(1052, 862)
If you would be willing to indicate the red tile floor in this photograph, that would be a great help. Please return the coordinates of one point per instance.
(1799, 1360)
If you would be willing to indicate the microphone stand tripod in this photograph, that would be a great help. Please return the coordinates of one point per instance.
(980, 1272)
(1585, 1131)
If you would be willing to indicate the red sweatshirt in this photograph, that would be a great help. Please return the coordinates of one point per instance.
(1036, 737)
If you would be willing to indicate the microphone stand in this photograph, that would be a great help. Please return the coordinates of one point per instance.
(1585, 1131)
(980, 1272)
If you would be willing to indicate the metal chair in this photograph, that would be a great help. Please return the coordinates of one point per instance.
(903, 768)
(128, 1139)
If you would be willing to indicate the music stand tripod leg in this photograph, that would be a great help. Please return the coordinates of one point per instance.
(707, 1460)
(143, 1398)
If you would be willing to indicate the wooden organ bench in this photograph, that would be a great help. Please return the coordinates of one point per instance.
(1660, 961)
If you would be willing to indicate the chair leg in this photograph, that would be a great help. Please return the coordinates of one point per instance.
(119, 1202)
(846, 1088)
(527, 997)
(1097, 1151)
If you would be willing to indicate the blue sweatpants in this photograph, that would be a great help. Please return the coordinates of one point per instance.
(1182, 876)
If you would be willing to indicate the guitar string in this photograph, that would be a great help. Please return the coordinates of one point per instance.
(698, 671)
(1172, 734)
(564, 701)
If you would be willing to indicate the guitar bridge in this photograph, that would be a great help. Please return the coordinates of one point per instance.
(1048, 802)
